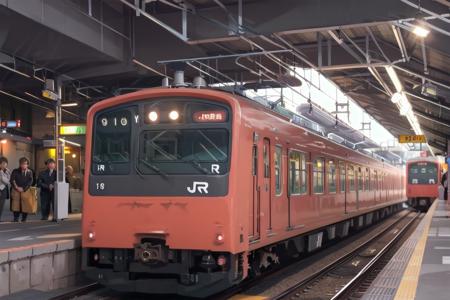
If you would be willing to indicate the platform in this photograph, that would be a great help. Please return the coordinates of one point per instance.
(41, 255)
(421, 268)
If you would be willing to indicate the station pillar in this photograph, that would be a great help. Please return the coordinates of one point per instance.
(61, 186)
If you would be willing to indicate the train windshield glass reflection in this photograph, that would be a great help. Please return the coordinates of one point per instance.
(422, 173)
(183, 151)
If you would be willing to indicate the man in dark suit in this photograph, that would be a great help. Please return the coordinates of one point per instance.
(46, 181)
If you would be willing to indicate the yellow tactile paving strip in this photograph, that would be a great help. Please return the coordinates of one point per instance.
(408, 285)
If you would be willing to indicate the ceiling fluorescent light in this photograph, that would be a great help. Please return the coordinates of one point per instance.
(70, 104)
(394, 78)
(420, 31)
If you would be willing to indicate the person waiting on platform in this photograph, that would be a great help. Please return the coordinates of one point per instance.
(5, 175)
(22, 199)
(445, 184)
(46, 182)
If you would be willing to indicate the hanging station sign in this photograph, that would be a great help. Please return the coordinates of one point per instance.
(72, 129)
(415, 139)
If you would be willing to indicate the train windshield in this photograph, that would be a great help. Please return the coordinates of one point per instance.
(184, 151)
(423, 173)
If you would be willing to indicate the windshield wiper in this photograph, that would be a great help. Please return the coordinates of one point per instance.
(153, 167)
(198, 166)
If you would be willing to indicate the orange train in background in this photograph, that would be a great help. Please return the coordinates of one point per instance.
(423, 180)
(191, 191)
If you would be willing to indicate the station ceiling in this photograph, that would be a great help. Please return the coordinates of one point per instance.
(113, 46)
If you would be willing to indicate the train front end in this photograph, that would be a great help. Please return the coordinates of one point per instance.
(423, 177)
(156, 215)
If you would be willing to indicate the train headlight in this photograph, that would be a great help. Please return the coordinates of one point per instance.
(153, 116)
(174, 115)
(220, 238)
(91, 235)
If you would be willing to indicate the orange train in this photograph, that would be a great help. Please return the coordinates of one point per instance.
(423, 180)
(190, 191)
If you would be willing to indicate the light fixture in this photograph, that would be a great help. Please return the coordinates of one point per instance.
(394, 78)
(173, 115)
(70, 104)
(396, 97)
(429, 89)
(153, 116)
(4, 141)
(420, 31)
(220, 238)
(74, 155)
(91, 235)
(49, 114)
(69, 142)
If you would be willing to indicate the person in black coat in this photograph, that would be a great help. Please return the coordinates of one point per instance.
(46, 181)
(445, 184)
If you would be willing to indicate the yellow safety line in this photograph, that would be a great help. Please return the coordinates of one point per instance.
(408, 285)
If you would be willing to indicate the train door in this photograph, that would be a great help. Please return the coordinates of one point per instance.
(358, 174)
(254, 230)
(266, 193)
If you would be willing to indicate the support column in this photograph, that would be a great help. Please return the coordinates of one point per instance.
(61, 187)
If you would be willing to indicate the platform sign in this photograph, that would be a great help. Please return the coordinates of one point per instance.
(72, 129)
(10, 124)
(49, 95)
(415, 139)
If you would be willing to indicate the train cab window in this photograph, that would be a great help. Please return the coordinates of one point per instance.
(183, 151)
(423, 173)
(318, 175)
(367, 180)
(112, 143)
(351, 178)
(331, 177)
(342, 177)
(297, 173)
(278, 171)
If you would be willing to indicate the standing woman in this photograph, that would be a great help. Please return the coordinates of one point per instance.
(4, 183)
(22, 200)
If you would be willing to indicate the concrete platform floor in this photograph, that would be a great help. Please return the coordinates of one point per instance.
(35, 231)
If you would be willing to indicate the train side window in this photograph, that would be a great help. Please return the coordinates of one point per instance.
(254, 160)
(297, 173)
(318, 175)
(351, 178)
(342, 176)
(367, 180)
(331, 177)
(294, 173)
(266, 161)
(277, 166)
(360, 179)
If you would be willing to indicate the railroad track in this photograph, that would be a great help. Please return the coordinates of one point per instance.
(339, 278)
(79, 291)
